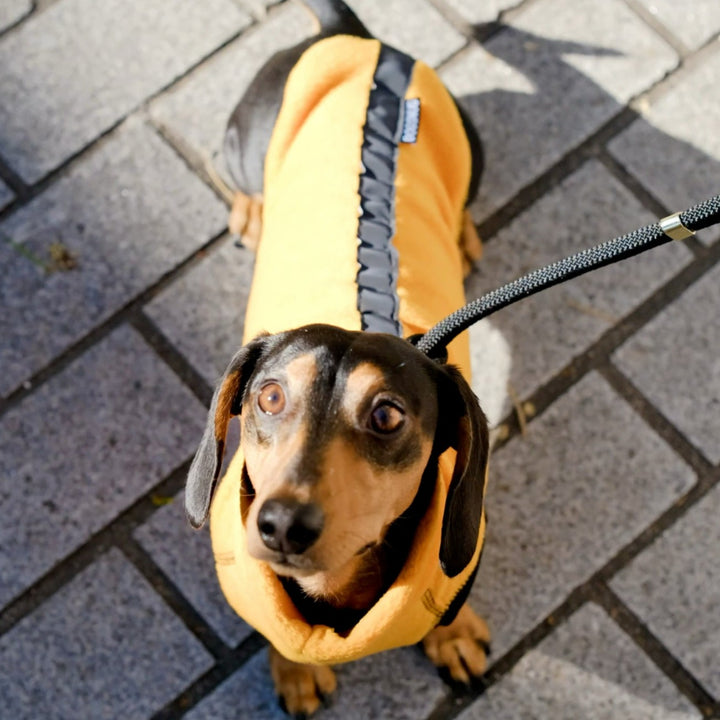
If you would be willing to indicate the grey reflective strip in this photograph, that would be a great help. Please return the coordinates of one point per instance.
(378, 301)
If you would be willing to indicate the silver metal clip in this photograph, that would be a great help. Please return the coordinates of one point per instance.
(672, 226)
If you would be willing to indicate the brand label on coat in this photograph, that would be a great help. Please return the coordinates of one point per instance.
(411, 120)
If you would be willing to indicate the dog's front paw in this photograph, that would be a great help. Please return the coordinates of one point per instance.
(460, 648)
(301, 689)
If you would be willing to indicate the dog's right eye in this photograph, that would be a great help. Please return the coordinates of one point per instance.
(271, 399)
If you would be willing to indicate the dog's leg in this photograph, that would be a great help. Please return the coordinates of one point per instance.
(245, 219)
(460, 647)
(300, 688)
(470, 243)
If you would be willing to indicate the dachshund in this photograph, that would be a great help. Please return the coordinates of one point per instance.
(350, 520)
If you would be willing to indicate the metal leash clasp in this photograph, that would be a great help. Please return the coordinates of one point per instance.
(673, 227)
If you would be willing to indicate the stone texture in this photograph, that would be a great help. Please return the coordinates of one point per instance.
(104, 646)
(257, 8)
(584, 481)
(13, 10)
(129, 213)
(198, 109)
(491, 359)
(674, 586)
(399, 684)
(675, 362)
(203, 312)
(413, 26)
(186, 557)
(693, 22)
(80, 66)
(6, 195)
(674, 149)
(83, 447)
(481, 12)
(547, 331)
(99, 434)
(588, 669)
(545, 83)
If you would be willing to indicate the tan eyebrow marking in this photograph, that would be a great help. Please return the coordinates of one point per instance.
(366, 379)
(301, 373)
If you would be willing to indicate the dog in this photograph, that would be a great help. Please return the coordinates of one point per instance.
(351, 519)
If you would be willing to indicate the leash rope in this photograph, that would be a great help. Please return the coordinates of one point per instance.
(678, 226)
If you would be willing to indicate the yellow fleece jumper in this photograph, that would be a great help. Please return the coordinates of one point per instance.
(307, 271)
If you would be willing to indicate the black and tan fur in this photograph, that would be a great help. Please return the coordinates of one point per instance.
(341, 432)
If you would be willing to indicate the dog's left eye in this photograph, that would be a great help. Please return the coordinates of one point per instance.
(271, 399)
(386, 418)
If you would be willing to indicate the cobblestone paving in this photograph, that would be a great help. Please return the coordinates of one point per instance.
(122, 298)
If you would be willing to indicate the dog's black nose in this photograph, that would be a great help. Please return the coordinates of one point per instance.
(289, 526)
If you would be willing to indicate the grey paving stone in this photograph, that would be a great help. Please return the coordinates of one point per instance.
(674, 586)
(483, 12)
(693, 22)
(413, 26)
(203, 311)
(674, 361)
(491, 359)
(546, 82)
(80, 66)
(674, 149)
(6, 195)
(587, 668)
(129, 213)
(83, 447)
(12, 10)
(546, 332)
(104, 646)
(257, 8)
(586, 479)
(186, 557)
(397, 685)
(198, 109)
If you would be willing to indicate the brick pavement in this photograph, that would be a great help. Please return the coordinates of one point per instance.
(601, 576)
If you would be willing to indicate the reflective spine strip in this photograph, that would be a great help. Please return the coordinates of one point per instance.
(378, 301)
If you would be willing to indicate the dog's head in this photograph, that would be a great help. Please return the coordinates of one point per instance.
(337, 430)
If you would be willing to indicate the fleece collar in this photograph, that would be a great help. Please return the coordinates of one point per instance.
(403, 615)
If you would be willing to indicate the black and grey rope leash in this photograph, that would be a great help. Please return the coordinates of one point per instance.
(678, 226)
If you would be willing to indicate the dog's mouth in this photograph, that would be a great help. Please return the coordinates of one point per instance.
(366, 548)
(247, 493)
(292, 566)
(296, 566)
(280, 562)
(299, 566)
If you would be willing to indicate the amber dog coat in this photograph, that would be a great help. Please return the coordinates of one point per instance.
(366, 178)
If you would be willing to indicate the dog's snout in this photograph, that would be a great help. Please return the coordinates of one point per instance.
(289, 526)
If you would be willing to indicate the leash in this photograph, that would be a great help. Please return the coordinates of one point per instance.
(678, 226)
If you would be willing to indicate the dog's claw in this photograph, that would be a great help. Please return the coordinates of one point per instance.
(283, 706)
(461, 648)
(301, 689)
(245, 221)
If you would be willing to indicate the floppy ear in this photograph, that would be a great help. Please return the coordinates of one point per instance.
(226, 402)
(464, 427)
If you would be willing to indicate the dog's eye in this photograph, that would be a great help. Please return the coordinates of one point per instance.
(386, 418)
(271, 399)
